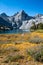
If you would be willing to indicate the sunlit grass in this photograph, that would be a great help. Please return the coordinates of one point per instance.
(14, 48)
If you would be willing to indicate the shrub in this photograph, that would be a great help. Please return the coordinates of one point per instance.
(36, 53)
(36, 40)
(35, 27)
(40, 26)
(13, 58)
(12, 49)
(2, 51)
(39, 56)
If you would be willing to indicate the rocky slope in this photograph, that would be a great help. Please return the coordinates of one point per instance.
(21, 20)
(28, 23)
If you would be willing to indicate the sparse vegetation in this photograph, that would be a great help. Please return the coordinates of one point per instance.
(21, 49)
(36, 40)
(36, 52)
(14, 58)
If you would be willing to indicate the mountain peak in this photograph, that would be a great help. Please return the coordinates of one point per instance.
(38, 15)
(3, 14)
(22, 10)
(21, 16)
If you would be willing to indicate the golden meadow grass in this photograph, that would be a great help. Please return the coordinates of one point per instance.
(14, 48)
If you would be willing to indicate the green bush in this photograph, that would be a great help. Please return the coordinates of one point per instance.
(39, 56)
(36, 52)
(38, 26)
(13, 58)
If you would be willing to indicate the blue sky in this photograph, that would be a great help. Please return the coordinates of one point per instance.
(31, 7)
